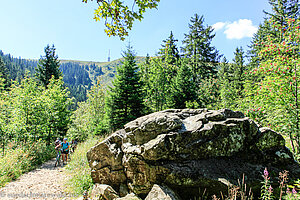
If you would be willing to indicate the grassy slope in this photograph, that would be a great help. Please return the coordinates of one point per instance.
(79, 169)
(109, 68)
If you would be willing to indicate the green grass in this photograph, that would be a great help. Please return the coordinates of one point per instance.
(23, 159)
(79, 170)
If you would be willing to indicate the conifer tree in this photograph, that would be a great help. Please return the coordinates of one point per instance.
(125, 101)
(169, 51)
(169, 60)
(197, 47)
(282, 10)
(48, 66)
(224, 77)
(232, 77)
(4, 74)
(258, 38)
(183, 89)
(238, 70)
(154, 77)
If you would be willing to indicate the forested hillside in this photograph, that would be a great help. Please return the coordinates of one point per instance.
(261, 82)
(78, 76)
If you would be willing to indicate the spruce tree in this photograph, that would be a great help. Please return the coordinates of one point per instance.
(284, 9)
(197, 47)
(4, 73)
(224, 77)
(169, 51)
(232, 77)
(48, 66)
(183, 89)
(238, 70)
(281, 11)
(125, 101)
(169, 59)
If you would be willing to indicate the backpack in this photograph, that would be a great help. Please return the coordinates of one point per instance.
(65, 145)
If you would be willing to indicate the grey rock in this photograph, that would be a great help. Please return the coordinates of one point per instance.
(161, 193)
(129, 197)
(189, 150)
(103, 192)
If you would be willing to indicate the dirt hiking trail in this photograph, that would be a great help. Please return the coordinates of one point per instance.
(45, 182)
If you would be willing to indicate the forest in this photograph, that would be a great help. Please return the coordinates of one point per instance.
(45, 99)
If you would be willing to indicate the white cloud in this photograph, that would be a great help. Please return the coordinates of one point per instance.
(237, 29)
(240, 29)
(218, 26)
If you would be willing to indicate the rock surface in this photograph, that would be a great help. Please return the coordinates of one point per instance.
(103, 192)
(189, 150)
(129, 197)
(161, 192)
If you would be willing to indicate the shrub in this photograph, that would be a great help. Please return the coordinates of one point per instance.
(20, 160)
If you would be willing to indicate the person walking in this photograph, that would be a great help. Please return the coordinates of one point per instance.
(65, 150)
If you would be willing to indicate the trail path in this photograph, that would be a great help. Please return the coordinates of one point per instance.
(45, 182)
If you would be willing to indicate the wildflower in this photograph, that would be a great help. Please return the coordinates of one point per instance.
(294, 191)
(270, 189)
(266, 173)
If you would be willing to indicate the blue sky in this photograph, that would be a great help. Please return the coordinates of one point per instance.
(28, 26)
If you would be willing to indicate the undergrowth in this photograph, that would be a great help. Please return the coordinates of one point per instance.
(79, 170)
(285, 191)
(20, 160)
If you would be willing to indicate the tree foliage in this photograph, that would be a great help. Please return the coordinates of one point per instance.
(182, 88)
(197, 47)
(282, 10)
(89, 118)
(119, 15)
(48, 66)
(274, 98)
(29, 112)
(4, 74)
(125, 101)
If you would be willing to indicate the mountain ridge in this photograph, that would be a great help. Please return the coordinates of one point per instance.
(78, 75)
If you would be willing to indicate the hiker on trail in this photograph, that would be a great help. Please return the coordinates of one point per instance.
(73, 145)
(65, 149)
(57, 144)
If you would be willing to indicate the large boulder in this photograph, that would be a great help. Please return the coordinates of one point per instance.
(189, 151)
(103, 192)
(129, 197)
(159, 192)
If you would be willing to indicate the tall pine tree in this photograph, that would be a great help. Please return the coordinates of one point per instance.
(197, 47)
(169, 59)
(239, 69)
(169, 51)
(183, 89)
(48, 66)
(282, 10)
(4, 74)
(125, 101)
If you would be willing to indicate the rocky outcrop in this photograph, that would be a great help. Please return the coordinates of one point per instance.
(129, 197)
(159, 192)
(188, 150)
(103, 192)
